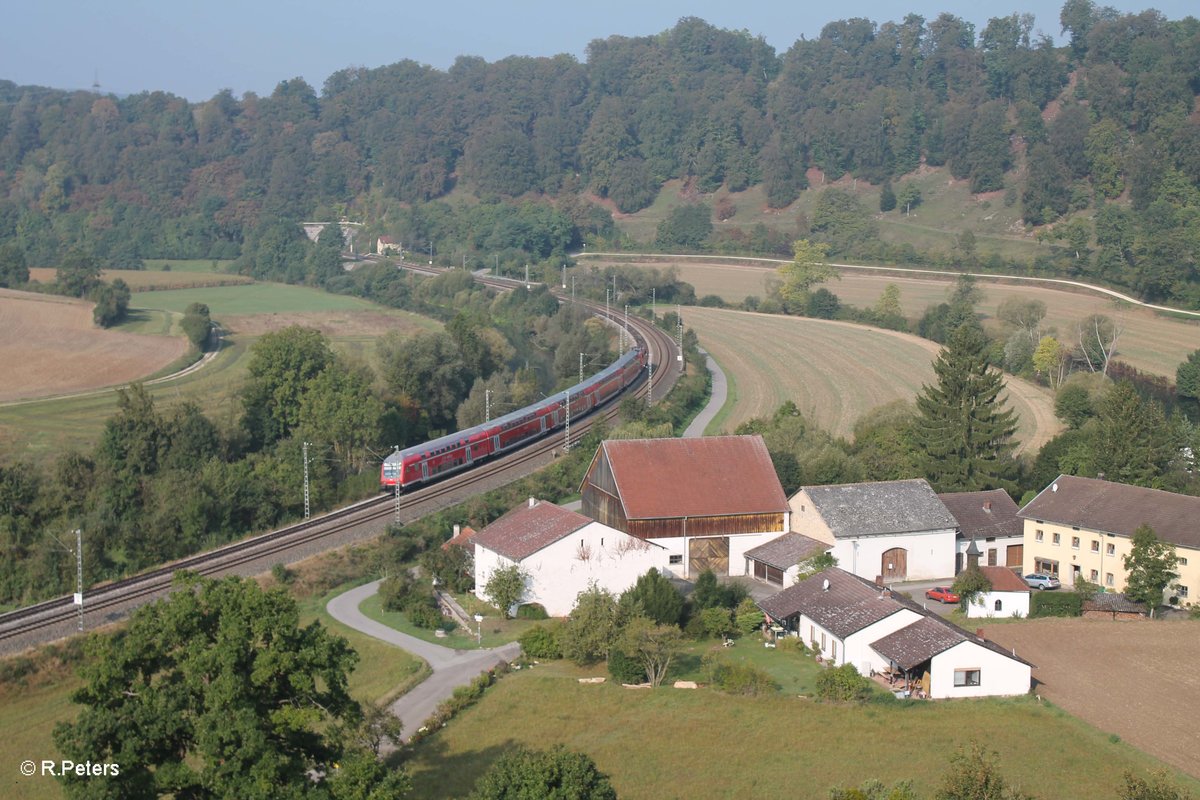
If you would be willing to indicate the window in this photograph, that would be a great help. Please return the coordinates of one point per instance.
(1095, 545)
(1108, 579)
(966, 677)
(834, 653)
(1110, 549)
(675, 560)
(1095, 576)
(812, 635)
(1039, 536)
(1181, 590)
(1074, 542)
(1056, 539)
(999, 605)
(1046, 566)
(1182, 562)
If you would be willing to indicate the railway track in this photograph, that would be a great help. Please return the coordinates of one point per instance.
(56, 619)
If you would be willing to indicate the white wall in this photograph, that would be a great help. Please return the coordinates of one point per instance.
(810, 633)
(1000, 676)
(1013, 604)
(1000, 545)
(558, 572)
(858, 644)
(738, 545)
(930, 555)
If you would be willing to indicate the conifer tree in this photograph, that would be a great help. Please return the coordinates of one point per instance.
(964, 430)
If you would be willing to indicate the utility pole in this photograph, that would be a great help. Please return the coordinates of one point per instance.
(679, 337)
(487, 405)
(397, 499)
(607, 296)
(306, 509)
(431, 252)
(572, 288)
(564, 276)
(653, 303)
(623, 327)
(79, 573)
(649, 382)
(527, 276)
(581, 367)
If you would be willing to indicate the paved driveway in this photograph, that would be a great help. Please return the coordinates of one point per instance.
(451, 667)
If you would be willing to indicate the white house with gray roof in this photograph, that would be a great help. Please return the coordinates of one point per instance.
(894, 530)
(849, 620)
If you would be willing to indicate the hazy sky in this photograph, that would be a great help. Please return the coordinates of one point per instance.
(195, 49)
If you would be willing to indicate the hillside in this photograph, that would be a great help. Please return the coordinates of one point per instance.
(992, 147)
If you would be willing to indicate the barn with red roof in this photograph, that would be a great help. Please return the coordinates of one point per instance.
(707, 501)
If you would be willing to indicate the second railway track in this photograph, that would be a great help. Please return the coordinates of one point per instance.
(56, 619)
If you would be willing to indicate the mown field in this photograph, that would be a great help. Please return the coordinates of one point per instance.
(834, 371)
(1151, 342)
(698, 743)
(50, 346)
(40, 430)
(151, 280)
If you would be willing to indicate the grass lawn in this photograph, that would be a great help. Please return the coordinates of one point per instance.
(684, 743)
(384, 672)
(257, 298)
(26, 729)
(496, 631)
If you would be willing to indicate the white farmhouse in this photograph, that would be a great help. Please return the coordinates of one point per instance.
(1009, 596)
(892, 530)
(851, 621)
(561, 552)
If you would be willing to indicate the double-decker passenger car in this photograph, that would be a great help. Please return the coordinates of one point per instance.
(457, 451)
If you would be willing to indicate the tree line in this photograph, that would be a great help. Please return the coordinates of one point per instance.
(1100, 129)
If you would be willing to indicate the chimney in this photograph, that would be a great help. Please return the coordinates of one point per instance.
(879, 581)
(457, 530)
(987, 505)
(532, 502)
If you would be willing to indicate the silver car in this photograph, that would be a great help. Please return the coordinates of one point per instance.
(1040, 580)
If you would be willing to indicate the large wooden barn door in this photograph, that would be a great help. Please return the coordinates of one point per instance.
(710, 553)
(1015, 555)
(894, 564)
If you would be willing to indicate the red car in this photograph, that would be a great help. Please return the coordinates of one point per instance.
(942, 594)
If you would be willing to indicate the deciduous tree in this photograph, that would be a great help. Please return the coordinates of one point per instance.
(1150, 566)
(555, 775)
(807, 268)
(654, 646)
(506, 587)
(592, 626)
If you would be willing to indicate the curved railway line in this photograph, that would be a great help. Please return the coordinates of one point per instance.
(56, 619)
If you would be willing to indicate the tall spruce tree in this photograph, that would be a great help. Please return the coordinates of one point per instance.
(964, 430)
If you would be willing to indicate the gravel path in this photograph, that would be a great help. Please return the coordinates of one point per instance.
(451, 667)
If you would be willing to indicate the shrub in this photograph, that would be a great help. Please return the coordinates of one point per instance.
(1056, 604)
(532, 611)
(736, 677)
(624, 669)
(748, 617)
(710, 623)
(424, 614)
(843, 684)
(541, 641)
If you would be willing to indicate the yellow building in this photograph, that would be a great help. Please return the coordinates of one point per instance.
(1083, 527)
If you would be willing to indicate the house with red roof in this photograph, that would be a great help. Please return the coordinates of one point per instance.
(561, 553)
(706, 501)
(1009, 596)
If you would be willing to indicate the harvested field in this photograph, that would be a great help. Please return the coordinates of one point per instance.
(154, 280)
(836, 371)
(335, 325)
(1136, 679)
(49, 346)
(1151, 342)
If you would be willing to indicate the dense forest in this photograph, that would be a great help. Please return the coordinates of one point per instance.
(1102, 134)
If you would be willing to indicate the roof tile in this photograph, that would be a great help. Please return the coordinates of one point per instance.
(526, 529)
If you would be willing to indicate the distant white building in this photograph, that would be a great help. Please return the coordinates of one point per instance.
(562, 553)
(894, 530)
(1009, 596)
(386, 244)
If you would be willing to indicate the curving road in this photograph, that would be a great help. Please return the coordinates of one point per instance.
(451, 668)
(909, 270)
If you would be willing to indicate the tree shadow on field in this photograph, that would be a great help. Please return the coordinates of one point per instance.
(444, 773)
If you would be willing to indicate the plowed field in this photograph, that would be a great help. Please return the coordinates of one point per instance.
(49, 346)
(836, 371)
(1137, 679)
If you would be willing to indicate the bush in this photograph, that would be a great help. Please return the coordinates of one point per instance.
(532, 611)
(425, 614)
(1055, 604)
(843, 684)
(624, 669)
(541, 641)
(736, 677)
(710, 623)
(400, 591)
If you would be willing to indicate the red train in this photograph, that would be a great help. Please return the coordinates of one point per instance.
(421, 463)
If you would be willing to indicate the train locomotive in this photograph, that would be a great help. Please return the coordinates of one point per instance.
(454, 452)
